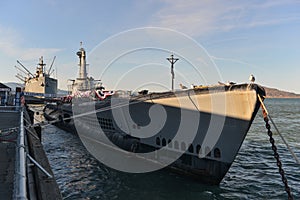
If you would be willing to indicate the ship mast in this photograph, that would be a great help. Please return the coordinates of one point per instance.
(42, 66)
(82, 79)
(82, 63)
(172, 60)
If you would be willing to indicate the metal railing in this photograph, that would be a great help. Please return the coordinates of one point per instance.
(9, 108)
(20, 191)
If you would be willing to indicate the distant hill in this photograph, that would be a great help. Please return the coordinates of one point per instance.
(13, 85)
(275, 93)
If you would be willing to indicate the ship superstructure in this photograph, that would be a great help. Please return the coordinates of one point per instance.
(82, 83)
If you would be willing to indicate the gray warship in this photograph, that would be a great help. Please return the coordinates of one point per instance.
(40, 84)
(197, 132)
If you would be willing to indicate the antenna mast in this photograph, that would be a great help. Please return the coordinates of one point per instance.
(42, 65)
(172, 60)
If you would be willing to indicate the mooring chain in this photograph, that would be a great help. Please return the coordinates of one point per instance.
(276, 156)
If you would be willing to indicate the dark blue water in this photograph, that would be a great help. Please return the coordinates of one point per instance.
(253, 175)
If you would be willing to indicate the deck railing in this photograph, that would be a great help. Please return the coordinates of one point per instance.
(20, 190)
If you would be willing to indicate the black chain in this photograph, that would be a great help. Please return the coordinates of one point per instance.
(276, 156)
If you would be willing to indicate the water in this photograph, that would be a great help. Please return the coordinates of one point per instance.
(253, 175)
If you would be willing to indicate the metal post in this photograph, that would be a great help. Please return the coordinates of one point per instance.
(39, 166)
(5, 100)
(18, 98)
(172, 60)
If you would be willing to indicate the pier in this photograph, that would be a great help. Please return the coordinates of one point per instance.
(25, 172)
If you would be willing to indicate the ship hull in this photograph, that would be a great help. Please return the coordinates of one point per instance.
(41, 86)
(199, 131)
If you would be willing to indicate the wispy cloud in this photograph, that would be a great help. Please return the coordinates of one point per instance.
(234, 61)
(204, 17)
(11, 46)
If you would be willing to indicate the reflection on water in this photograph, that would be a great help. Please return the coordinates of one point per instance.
(253, 175)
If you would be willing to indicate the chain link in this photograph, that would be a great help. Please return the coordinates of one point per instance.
(276, 156)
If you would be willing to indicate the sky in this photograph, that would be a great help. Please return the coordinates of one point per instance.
(235, 39)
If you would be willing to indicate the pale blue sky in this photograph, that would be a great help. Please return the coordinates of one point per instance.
(241, 37)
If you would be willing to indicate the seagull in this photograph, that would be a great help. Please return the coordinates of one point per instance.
(251, 78)
(183, 87)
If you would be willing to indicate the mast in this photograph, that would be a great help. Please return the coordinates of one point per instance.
(42, 65)
(51, 65)
(172, 60)
(82, 63)
(82, 82)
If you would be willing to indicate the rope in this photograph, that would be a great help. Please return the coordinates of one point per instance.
(6, 135)
(120, 105)
(44, 124)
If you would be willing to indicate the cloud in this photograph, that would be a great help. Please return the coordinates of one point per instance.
(34, 53)
(234, 60)
(192, 17)
(11, 46)
(198, 18)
